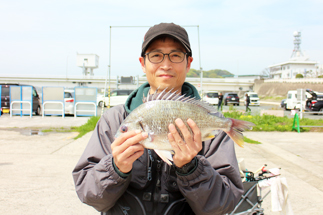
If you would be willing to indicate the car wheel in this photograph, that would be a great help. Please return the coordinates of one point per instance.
(321, 110)
(238, 104)
(38, 110)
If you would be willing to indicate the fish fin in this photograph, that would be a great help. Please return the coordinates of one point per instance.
(208, 137)
(237, 127)
(171, 95)
(165, 155)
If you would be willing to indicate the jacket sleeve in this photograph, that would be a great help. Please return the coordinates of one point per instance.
(215, 187)
(96, 182)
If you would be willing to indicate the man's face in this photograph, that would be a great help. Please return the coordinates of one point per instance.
(165, 74)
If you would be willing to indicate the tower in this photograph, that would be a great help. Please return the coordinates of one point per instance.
(88, 62)
(297, 41)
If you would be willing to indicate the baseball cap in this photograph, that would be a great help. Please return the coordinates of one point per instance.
(171, 29)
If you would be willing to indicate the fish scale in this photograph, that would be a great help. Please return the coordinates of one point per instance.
(160, 110)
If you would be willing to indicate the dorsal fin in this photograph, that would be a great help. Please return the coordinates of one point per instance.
(174, 96)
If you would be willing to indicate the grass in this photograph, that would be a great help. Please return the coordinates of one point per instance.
(274, 123)
(88, 126)
(272, 98)
(248, 140)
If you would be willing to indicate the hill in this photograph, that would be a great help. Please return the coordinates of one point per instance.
(214, 73)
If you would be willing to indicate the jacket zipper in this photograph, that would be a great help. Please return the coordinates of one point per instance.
(157, 188)
(150, 164)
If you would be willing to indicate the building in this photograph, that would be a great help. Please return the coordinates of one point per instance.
(297, 64)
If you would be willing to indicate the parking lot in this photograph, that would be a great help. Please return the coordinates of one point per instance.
(36, 169)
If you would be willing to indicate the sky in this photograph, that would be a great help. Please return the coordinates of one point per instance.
(42, 38)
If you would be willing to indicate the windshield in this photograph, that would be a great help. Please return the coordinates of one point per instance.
(5, 91)
(212, 95)
(232, 94)
(253, 95)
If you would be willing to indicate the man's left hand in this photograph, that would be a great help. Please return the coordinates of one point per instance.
(187, 149)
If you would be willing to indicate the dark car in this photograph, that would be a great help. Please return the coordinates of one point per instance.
(317, 105)
(5, 98)
(231, 98)
(283, 104)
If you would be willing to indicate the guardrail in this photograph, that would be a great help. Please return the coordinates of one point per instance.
(20, 109)
(296, 126)
(89, 103)
(53, 102)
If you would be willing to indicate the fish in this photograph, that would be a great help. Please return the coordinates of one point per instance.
(161, 109)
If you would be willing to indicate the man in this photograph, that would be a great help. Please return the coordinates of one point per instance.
(119, 176)
(220, 101)
(247, 102)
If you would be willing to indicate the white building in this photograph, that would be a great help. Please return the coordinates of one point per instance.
(297, 64)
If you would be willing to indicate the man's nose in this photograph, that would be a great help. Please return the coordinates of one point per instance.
(166, 62)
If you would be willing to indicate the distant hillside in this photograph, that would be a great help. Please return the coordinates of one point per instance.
(214, 73)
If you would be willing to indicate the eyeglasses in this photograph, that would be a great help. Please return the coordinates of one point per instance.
(158, 57)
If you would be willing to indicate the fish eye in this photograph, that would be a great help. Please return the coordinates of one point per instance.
(124, 129)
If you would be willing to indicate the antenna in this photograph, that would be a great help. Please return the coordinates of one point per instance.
(297, 41)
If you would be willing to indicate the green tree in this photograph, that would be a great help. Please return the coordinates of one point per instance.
(299, 76)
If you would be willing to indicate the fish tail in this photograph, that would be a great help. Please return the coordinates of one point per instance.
(235, 132)
(165, 155)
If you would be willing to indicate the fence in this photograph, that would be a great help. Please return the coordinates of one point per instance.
(85, 101)
(21, 97)
(53, 101)
(297, 126)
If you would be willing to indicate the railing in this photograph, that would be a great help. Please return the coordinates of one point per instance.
(297, 126)
(53, 102)
(89, 103)
(20, 109)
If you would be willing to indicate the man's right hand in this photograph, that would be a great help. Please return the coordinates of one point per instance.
(126, 149)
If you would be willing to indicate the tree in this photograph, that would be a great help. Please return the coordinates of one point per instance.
(266, 72)
(299, 76)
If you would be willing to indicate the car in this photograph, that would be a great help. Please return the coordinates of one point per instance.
(293, 103)
(211, 97)
(283, 104)
(116, 97)
(231, 98)
(69, 101)
(317, 105)
(5, 99)
(254, 99)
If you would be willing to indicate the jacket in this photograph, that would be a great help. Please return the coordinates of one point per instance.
(153, 187)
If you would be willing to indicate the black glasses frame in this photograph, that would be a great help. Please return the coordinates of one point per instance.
(147, 54)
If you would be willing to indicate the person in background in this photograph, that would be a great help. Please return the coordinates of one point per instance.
(247, 103)
(120, 176)
(220, 101)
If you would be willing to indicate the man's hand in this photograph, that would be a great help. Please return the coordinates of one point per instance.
(126, 149)
(187, 149)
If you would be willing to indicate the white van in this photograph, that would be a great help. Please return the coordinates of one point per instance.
(116, 97)
(291, 101)
(211, 97)
(254, 99)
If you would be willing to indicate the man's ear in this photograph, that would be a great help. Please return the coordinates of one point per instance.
(142, 63)
(189, 62)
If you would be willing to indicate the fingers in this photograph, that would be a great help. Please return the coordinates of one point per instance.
(187, 149)
(126, 149)
(196, 131)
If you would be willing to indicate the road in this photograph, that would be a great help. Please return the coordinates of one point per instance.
(37, 169)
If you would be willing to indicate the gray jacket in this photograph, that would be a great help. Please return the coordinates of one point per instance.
(153, 187)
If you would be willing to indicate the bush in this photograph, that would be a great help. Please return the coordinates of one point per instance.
(299, 76)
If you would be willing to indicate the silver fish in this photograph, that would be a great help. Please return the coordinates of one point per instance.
(161, 109)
